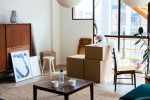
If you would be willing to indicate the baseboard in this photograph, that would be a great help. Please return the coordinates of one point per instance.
(63, 63)
(58, 63)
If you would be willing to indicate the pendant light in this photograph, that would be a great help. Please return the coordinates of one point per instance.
(68, 3)
(136, 3)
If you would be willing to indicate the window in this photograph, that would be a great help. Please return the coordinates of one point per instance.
(84, 10)
(130, 21)
(135, 19)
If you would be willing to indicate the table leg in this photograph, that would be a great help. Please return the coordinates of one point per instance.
(135, 79)
(92, 92)
(34, 93)
(66, 97)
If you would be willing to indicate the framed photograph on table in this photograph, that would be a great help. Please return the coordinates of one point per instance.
(21, 65)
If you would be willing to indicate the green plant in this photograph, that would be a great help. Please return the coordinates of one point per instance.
(96, 28)
(145, 43)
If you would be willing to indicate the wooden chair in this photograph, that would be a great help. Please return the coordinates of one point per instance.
(123, 70)
(82, 43)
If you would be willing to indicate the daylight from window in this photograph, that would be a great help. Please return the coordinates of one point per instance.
(130, 21)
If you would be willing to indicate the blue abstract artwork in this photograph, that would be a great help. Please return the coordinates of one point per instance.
(21, 65)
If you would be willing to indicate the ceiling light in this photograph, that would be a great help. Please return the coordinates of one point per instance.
(136, 3)
(68, 3)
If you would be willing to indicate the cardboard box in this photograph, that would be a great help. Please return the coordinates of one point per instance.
(97, 52)
(97, 71)
(75, 66)
(48, 53)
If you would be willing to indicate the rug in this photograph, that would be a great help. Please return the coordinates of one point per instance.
(26, 93)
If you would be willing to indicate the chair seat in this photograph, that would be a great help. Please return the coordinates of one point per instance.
(125, 68)
(48, 57)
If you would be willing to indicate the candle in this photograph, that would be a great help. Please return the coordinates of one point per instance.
(55, 84)
(72, 82)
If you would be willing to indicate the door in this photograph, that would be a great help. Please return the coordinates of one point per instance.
(2, 49)
(18, 39)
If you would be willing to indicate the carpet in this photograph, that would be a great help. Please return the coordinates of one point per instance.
(25, 92)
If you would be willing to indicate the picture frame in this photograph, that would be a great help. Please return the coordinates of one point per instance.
(21, 65)
(35, 66)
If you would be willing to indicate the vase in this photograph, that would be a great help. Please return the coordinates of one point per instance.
(13, 18)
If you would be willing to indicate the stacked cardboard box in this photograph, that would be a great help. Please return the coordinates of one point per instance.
(95, 66)
(75, 66)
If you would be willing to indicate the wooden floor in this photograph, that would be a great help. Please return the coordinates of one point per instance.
(108, 87)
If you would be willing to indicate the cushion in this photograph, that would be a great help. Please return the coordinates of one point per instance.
(139, 71)
(141, 91)
(126, 68)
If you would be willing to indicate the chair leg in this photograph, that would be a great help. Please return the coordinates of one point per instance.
(43, 66)
(50, 67)
(53, 66)
(115, 82)
(135, 79)
(132, 78)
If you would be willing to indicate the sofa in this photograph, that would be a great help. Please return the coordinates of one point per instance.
(142, 92)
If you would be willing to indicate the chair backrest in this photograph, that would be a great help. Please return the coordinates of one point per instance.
(82, 43)
(115, 62)
(85, 41)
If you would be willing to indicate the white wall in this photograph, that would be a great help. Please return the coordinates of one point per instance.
(70, 33)
(56, 30)
(38, 13)
(66, 32)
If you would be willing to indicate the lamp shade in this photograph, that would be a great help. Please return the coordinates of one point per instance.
(68, 3)
(136, 3)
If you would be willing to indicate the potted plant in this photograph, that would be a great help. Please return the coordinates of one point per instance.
(145, 43)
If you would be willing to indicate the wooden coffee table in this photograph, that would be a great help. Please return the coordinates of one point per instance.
(65, 90)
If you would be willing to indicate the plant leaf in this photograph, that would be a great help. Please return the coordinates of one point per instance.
(136, 34)
(143, 44)
(146, 56)
(138, 41)
(147, 49)
(145, 66)
(140, 30)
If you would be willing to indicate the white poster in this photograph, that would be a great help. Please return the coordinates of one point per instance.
(35, 67)
(21, 65)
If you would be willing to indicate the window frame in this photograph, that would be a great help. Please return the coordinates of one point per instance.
(84, 18)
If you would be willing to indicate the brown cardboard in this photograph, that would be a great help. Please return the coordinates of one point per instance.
(97, 52)
(48, 53)
(97, 71)
(75, 66)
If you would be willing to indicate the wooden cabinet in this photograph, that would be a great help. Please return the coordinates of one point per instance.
(13, 37)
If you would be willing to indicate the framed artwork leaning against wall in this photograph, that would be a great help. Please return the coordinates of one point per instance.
(21, 65)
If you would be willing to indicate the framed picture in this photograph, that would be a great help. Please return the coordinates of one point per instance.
(21, 65)
(35, 67)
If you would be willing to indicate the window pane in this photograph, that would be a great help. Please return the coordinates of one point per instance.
(130, 52)
(114, 17)
(103, 16)
(97, 16)
(84, 10)
(131, 20)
